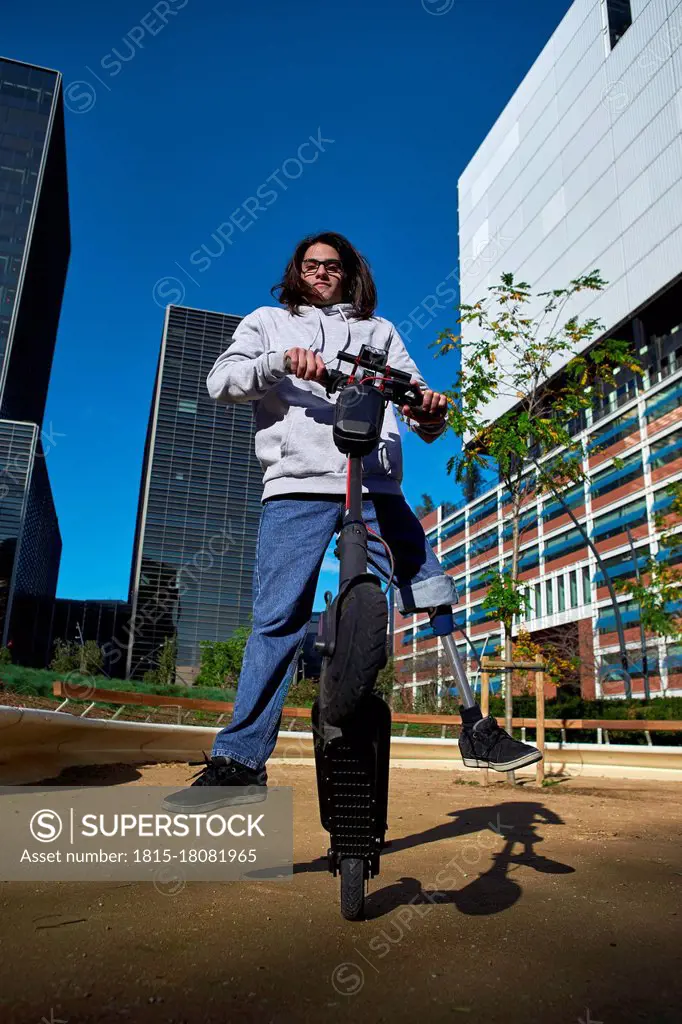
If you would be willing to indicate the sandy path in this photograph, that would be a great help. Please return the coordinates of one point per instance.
(576, 908)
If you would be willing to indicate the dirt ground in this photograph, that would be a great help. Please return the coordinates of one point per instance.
(567, 909)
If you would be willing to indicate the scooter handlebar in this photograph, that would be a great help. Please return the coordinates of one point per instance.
(400, 391)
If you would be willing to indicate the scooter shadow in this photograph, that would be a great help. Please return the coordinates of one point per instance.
(490, 891)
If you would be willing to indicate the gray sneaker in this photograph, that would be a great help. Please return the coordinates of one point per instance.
(485, 745)
(238, 784)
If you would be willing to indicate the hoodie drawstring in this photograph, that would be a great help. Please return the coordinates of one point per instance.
(348, 336)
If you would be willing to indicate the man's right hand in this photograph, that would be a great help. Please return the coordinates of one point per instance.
(305, 364)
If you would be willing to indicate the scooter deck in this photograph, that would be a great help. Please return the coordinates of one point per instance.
(352, 764)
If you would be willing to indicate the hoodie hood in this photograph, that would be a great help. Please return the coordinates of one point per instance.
(337, 309)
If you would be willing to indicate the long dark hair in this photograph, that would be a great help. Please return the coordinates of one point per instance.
(358, 286)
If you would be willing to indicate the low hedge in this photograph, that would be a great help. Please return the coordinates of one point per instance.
(659, 708)
(36, 682)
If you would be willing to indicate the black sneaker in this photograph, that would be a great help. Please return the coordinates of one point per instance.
(239, 785)
(483, 744)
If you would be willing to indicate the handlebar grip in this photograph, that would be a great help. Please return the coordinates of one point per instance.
(327, 379)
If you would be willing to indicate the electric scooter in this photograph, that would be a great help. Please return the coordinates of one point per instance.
(351, 723)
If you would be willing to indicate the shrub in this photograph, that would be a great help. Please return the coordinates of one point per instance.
(221, 660)
(70, 656)
(386, 682)
(303, 694)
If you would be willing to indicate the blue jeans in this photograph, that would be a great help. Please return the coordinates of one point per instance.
(293, 537)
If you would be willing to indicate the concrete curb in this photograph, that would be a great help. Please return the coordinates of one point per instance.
(37, 744)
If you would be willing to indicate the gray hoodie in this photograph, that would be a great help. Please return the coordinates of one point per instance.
(294, 443)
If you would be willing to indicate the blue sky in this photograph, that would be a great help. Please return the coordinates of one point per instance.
(177, 113)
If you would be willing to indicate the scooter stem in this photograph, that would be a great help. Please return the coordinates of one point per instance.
(353, 535)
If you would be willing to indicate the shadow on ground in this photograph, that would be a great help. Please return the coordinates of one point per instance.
(480, 827)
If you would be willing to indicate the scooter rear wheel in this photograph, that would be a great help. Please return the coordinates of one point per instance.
(352, 888)
(351, 672)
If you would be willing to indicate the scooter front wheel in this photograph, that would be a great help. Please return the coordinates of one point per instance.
(352, 888)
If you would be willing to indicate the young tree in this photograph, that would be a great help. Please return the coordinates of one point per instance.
(72, 656)
(167, 661)
(516, 357)
(91, 659)
(427, 505)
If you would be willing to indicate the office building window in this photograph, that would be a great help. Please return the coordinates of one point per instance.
(614, 431)
(629, 613)
(587, 588)
(664, 402)
(482, 511)
(667, 449)
(453, 528)
(561, 593)
(573, 498)
(616, 476)
(484, 543)
(479, 614)
(564, 544)
(481, 579)
(619, 14)
(573, 584)
(622, 565)
(529, 521)
(538, 601)
(457, 556)
(549, 597)
(614, 523)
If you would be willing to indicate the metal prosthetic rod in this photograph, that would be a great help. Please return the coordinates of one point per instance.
(443, 625)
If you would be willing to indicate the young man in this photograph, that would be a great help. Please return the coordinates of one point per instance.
(277, 359)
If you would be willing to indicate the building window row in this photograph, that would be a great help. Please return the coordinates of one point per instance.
(616, 476)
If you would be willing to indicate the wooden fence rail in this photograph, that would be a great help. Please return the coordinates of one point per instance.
(86, 693)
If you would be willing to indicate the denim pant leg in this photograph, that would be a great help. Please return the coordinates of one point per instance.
(420, 580)
(292, 539)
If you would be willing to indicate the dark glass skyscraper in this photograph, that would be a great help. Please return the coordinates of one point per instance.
(35, 238)
(199, 504)
(30, 543)
(34, 255)
(35, 243)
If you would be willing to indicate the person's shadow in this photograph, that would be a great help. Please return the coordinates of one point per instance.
(491, 891)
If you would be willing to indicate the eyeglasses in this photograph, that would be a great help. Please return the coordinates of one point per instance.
(310, 267)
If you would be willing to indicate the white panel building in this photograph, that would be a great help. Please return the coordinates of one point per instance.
(582, 171)
(583, 168)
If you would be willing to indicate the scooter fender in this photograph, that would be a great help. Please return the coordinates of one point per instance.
(327, 627)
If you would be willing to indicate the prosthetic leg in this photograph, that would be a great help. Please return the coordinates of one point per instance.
(443, 625)
(482, 743)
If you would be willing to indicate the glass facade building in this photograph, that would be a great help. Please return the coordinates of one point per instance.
(199, 505)
(34, 255)
(35, 237)
(30, 544)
